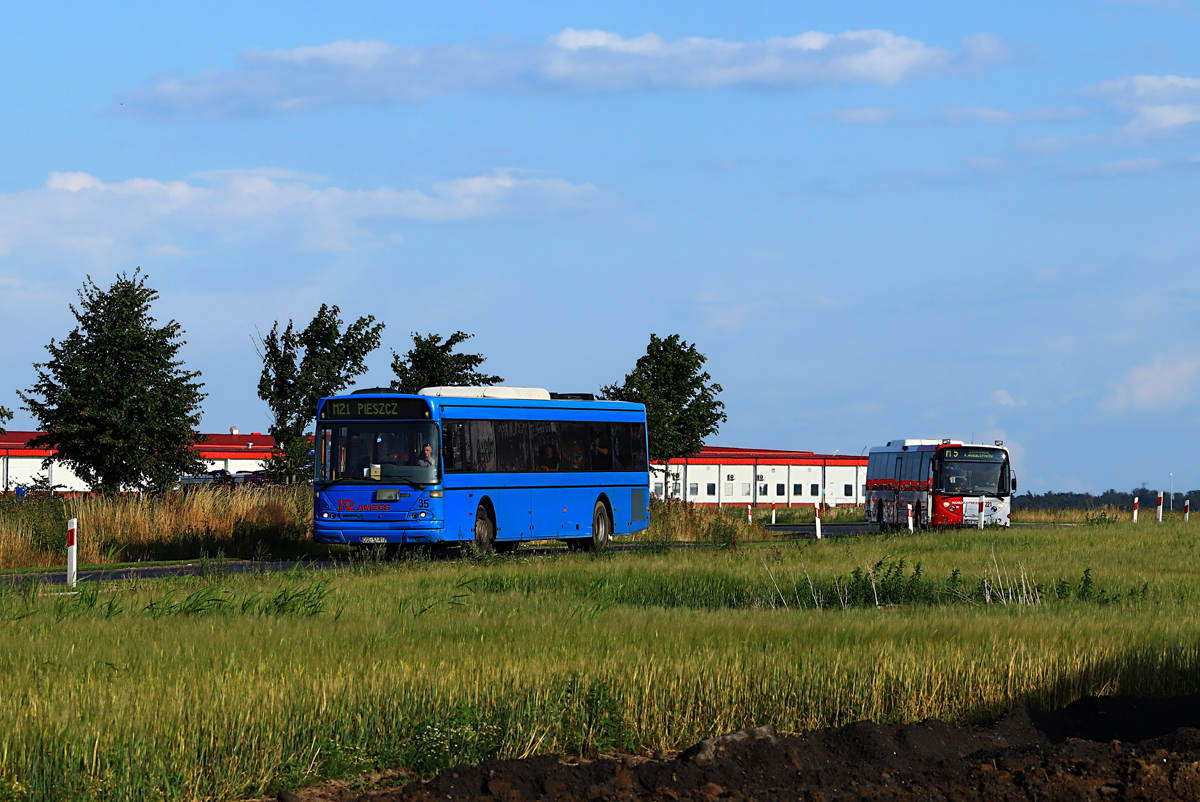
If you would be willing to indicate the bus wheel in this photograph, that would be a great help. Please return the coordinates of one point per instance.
(601, 526)
(485, 529)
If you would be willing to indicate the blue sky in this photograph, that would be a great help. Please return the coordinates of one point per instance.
(878, 220)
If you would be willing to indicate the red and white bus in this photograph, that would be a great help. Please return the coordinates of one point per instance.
(947, 483)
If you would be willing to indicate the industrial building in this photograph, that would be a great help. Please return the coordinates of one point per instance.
(758, 476)
(21, 465)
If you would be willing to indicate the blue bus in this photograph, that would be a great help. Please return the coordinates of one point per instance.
(488, 465)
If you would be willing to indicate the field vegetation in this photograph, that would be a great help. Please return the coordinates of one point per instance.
(248, 523)
(220, 686)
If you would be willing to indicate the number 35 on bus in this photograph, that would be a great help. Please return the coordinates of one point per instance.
(947, 483)
(488, 465)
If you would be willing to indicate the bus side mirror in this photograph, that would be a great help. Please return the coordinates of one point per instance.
(1014, 483)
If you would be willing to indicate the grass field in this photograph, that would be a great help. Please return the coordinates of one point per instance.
(224, 686)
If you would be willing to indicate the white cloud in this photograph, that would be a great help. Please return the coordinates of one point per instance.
(1004, 399)
(1120, 167)
(872, 115)
(1160, 104)
(77, 212)
(277, 81)
(962, 114)
(1165, 382)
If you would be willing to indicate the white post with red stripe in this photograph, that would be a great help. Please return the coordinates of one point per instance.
(1187, 507)
(72, 530)
(749, 514)
(1160, 506)
(1135, 498)
(981, 508)
(817, 510)
(910, 519)
(772, 514)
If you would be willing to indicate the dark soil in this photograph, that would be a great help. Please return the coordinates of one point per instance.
(1111, 748)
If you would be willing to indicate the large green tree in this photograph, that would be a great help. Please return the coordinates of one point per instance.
(299, 369)
(113, 399)
(682, 408)
(5, 414)
(433, 363)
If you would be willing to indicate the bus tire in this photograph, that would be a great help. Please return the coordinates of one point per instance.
(485, 529)
(601, 525)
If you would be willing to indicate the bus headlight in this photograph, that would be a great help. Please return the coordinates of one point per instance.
(435, 493)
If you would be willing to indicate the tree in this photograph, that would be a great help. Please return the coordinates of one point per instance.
(301, 368)
(114, 400)
(5, 414)
(432, 363)
(681, 406)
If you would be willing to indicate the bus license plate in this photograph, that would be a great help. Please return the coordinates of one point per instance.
(372, 539)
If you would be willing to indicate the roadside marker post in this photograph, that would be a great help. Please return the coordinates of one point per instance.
(72, 547)
(981, 508)
(817, 510)
(1187, 507)
(749, 514)
(1160, 506)
(1135, 498)
(910, 519)
(772, 515)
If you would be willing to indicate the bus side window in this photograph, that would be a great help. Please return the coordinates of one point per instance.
(873, 467)
(483, 442)
(456, 446)
(925, 457)
(637, 434)
(622, 455)
(574, 452)
(889, 469)
(543, 439)
(600, 447)
(512, 445)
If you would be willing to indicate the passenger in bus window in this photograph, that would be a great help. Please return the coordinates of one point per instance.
(574, 454)
(548, 460)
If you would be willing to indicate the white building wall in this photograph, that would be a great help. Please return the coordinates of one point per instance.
(837, 478)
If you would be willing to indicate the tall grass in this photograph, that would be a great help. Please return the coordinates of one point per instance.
(233, 685)
(247, 522)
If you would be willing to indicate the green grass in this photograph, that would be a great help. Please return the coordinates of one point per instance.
(228, 686)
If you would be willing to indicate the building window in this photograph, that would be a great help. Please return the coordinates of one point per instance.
(781, 490)
(729, 490)
(694, 489)
(658, 488)
(797, 490)
(864, 491)
(675, 488)
(814, 490)
(712, 488)
(847, 490)
(762, 490)
(745, 488)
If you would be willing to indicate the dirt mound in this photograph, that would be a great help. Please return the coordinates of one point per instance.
(1112, 748)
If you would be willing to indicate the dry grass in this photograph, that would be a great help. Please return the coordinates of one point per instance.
(245, 522)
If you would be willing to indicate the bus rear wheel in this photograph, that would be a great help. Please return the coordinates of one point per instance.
(485, 529)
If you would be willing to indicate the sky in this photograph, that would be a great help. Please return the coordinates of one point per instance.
(876, 220)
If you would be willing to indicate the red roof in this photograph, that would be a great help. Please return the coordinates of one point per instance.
(218, 446)
(726, 455)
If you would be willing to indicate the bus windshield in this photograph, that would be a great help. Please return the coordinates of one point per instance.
(970, 478)
(378, 452)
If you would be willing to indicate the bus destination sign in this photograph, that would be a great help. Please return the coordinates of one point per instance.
(375, 409)
(983, 454)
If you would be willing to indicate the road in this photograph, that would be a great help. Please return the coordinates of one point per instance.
(203, 567)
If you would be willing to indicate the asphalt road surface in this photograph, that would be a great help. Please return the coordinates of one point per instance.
(199, 568)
